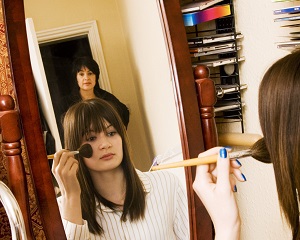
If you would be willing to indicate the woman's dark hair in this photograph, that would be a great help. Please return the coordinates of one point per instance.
(89, 115)
(279, 114)
(87, 62)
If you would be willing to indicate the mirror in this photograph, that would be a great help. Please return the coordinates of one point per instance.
(133, 71)
(132, 67)
(167, 133)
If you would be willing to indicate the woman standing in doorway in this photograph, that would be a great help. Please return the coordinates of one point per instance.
(86, 72)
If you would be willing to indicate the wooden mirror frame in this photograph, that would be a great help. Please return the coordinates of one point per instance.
(186, 99)
(184, 94)
(26, 101)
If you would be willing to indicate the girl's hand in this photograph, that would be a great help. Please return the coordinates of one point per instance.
(215, 186)
(65, 168)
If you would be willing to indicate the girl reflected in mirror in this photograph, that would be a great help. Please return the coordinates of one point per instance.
(279, 114)
(104, 196)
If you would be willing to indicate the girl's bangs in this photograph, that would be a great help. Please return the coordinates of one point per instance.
(91, 120)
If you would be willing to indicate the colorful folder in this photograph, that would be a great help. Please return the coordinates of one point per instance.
(191, 19)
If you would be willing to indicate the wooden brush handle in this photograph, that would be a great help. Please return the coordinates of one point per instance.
(238, 139)
(202, 160)
(187, 163)
(52, 155)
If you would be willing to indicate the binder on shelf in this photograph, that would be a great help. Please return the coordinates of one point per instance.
(197, 6)
(194, 18)
(218, 51)
(222, 89)
(293, 18)
(218, 62)
(227, 107)
(288, 44)
(206, 48)
(222, 37)
(291, 25)
(283, 0)
(232, 97)
(295, 9)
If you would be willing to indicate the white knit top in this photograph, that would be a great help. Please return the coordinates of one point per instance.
(166, 215)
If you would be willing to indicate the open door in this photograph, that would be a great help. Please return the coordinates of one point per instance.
(41, 82)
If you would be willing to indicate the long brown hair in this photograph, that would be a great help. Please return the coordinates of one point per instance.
(78, 121)
(279, 114)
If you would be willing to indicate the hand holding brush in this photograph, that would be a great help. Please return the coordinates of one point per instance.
(85, 151)
(258, 151)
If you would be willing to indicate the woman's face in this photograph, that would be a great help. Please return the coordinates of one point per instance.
(107, 150)
(86, 79)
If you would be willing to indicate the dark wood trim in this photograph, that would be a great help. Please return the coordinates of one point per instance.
(187, 109)
(30, 118)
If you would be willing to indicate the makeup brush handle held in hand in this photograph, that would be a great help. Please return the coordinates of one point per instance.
(52, 155)
(85, 150)
(202, 160)
(187, 163)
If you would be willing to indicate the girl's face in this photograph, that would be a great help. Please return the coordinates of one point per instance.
(86, 79)
(107, 150)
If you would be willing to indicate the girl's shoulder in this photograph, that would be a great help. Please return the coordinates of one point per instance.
(158, 178)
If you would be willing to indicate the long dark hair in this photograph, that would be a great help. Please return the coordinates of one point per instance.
(279, 114)
(79, 119)
(89, 63)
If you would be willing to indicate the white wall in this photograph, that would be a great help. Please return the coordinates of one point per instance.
(257, 198)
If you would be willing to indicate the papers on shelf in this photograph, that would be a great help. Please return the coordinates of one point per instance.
(213, 38)
(294, 9)
(288, 44)
(221, 89)
(197, 6)
(228, 107)
(218, 51)
(206, 48)
(218, 62)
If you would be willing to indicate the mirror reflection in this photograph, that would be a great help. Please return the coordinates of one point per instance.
(137, 89)
(146, 89)
(115, 200)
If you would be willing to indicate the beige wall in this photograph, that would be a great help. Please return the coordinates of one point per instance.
(135, 54)
(52, 14)
(258, 197)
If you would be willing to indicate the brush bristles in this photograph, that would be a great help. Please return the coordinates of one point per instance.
(86, 150)
(260, 152)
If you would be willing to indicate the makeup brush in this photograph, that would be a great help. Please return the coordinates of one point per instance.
(257, 151)
(84, 151)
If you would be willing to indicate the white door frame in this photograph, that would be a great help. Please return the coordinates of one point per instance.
(80, 29)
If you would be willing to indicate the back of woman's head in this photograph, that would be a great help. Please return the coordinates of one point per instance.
(279, 114)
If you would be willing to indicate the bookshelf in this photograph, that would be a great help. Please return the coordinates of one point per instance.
(286, 15)
(214, 41)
